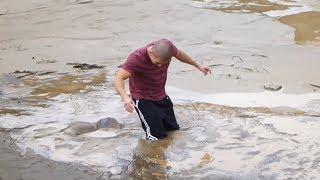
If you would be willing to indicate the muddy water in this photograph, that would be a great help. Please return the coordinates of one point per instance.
(30, 166)
(243, 5)
(215, 141)
(230, 127)
(302, 16)
(307, 25)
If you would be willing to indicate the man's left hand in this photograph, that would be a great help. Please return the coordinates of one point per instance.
(204, 70)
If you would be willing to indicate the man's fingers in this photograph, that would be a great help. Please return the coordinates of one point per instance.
(130, 110)
(208, 70)
(205, 71)
(129, 107)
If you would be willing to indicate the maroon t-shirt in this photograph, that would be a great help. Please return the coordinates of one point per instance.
(148, 80)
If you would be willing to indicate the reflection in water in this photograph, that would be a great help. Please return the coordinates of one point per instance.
(242, 5)
(248, 112)
(15, 112)
(68, 84)
(215, 141)
(307, 25)
(149, 160)
(46, 87)
(35, 90)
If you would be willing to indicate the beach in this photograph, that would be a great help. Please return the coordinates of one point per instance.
(257, 116)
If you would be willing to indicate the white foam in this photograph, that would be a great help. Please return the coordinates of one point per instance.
(80, 107)
(298, 6)
(102, 134)
(47, 140)
(259, 99)
(286, 12)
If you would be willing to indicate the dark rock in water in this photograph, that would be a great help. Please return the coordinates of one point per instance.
(314, 85)
(272, 87)
(215, 65)
(108, 123)
(45, 61)
(83, 1)
(85, 66)
(79, 127)
(217, 42)
(24, 73)
(3, 12)
(260, 55)
(43, 73)
(35, 73)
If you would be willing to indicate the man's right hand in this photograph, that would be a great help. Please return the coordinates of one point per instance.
(129, 105)
(121, 76)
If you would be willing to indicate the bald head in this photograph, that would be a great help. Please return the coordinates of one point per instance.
(163, 50)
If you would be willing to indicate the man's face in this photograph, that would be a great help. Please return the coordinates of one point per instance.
(158, 61)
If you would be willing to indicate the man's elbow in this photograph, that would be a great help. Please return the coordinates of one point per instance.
(179, 55)
(117, 79)
(120, 77)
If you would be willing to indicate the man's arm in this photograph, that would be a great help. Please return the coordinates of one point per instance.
(121, 76)
(183, 57)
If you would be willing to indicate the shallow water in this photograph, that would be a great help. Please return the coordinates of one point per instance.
(30, 166)
(246, 6)
(302, 15)
(307, 25)
(230, 127)
(216, 140)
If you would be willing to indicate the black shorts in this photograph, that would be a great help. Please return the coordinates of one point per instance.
(157, 117)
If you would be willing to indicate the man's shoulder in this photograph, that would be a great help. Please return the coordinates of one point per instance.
(139, 53)
(137, 58)
(135, 61)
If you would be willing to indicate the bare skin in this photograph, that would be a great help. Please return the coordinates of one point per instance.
(122, 74)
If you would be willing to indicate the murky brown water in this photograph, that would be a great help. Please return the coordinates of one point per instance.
(150, 160)
(249, 137)
(16, 112)
(248, 6)
(30, 166)
(307, 27)
(215, 141)
(306, 24)
(67, 84)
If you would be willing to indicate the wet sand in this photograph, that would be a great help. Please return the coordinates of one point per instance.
(231, 127)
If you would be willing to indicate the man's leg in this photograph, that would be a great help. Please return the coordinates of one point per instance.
(150, 117)
(169, 119)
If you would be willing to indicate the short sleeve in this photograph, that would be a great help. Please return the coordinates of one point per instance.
(131, 64)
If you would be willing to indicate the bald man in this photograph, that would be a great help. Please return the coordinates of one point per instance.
(147, 69)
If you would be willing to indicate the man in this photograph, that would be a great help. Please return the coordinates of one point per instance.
(147, 70)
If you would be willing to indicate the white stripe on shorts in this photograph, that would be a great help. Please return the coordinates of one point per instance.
(149, 136)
